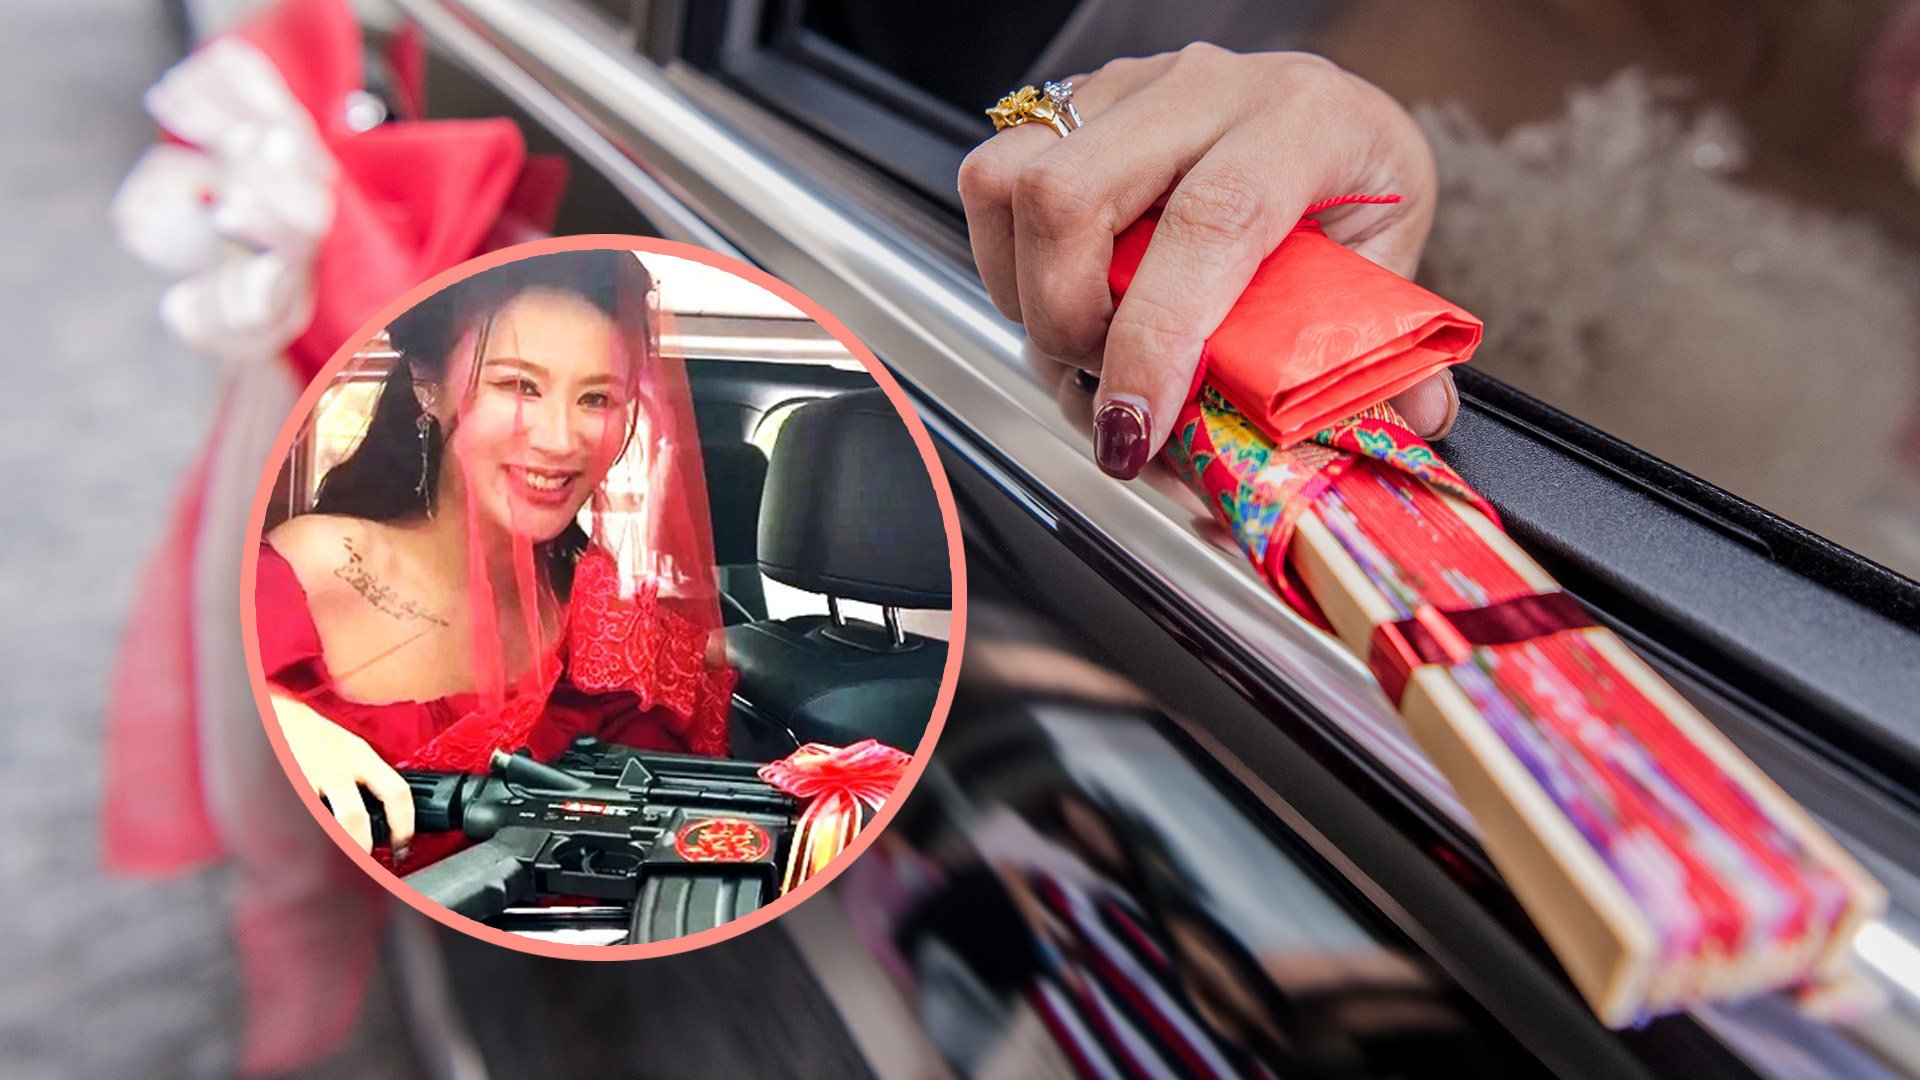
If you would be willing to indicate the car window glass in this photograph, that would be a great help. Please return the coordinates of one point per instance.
(1677, 224)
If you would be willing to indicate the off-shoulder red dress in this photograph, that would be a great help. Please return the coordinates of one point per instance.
(633, 701)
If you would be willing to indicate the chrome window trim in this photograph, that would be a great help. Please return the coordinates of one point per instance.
(669, 215)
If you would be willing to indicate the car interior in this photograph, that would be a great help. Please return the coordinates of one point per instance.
(843, 511)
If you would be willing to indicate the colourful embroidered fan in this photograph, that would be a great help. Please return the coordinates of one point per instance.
(1661, 865)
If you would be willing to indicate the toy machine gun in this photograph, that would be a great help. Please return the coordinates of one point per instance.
(688, 842)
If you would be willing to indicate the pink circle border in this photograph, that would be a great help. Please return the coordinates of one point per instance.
(943, 492)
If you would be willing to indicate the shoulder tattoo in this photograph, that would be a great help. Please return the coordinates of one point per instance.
(378, 593)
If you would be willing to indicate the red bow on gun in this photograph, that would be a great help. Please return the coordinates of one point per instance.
(838, 784)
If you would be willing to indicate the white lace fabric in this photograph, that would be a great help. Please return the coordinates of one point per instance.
(1627, 277)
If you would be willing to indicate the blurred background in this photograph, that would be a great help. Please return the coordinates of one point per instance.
(111, 977)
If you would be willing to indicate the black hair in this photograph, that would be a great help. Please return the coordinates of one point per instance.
(394, 472)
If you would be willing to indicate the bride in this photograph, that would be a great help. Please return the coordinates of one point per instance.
(443, 599)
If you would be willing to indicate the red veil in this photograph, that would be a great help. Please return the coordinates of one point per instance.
(613, 619)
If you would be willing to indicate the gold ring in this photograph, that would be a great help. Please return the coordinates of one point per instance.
(1052, 105)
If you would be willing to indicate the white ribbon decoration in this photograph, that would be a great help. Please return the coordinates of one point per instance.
(242, 309)
(240, 212)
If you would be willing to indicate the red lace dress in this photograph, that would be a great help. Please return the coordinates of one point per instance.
(632, 672)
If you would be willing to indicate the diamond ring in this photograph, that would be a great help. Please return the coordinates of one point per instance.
(1052, 105)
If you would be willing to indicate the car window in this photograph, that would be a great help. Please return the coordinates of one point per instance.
(1691, 229)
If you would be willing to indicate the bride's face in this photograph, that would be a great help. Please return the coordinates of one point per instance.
(545, 417)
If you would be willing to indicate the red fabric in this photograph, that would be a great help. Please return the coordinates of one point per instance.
(533, 204)
(835, 783)
(305, 968)
(460, 732)
(642, 621)
(316, 46)
(306, 919)
(649, 649)
(866, 771)
(1890, 80)
(157, 820)
(1295, 353)
(644, 615)
(406, 54)
(413, 198)
(415, 734)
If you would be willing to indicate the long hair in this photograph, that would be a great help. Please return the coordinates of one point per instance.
(394, 471)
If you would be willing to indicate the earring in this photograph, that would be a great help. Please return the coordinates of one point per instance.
(424, 425)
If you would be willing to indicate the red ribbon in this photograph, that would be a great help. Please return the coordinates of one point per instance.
(835, 783)
(1433, 636)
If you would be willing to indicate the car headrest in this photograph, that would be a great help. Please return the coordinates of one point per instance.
(849, 510)
(736, 475)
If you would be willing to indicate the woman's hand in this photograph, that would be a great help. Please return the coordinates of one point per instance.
(338, 764)
(1237, 146)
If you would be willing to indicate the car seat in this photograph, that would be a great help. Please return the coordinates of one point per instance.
(849, 513)
(736, 478)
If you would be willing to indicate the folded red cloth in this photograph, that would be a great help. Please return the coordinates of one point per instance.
(1319, 334)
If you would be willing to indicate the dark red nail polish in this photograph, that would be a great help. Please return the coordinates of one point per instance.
(1120, 439)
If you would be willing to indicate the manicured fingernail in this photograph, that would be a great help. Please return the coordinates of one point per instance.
(1453, 407)
(1120, 437)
